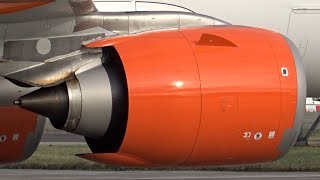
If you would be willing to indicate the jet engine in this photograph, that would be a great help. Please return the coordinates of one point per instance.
(20, 134)
(187, 97)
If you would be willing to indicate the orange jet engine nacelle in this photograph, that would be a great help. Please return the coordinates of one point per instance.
(208, 96)
(188, 97)
(20, 134)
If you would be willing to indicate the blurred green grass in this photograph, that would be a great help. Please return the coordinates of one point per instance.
(57, 157)
(62, 157)
(314, 139)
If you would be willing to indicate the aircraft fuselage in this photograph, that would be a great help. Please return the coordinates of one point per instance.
(296, 19)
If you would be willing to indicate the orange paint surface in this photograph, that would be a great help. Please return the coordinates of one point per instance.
(6, 8)
(202, 105)
(109, 41)
(242, 93)
(14, 121)
(164, 98)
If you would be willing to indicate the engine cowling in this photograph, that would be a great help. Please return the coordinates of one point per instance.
(200, 96)
(20, 134)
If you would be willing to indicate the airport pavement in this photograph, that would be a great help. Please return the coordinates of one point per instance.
(152, 175)
(60, 137)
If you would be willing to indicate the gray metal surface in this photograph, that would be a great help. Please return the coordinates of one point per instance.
(11, 92)
(302, 85)
(157, 175)
(96, 102)
(291, 135)
(75, 106)
(120, 23)
(57, 8)
(136, 22)
(33, 138)
(52, 71)
(82, 7)
(41, 49)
